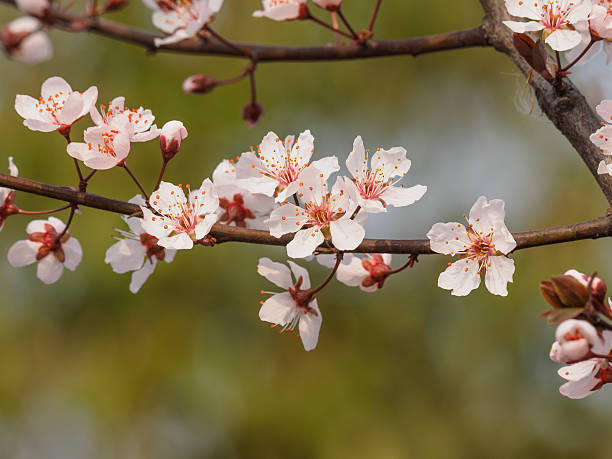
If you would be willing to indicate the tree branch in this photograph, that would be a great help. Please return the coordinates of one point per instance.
(592, 229)
(212, 46)
(567, 108)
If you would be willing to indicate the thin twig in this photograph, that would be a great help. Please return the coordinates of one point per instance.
(348, 25)
(329, 26)
(43, 212)
(140, 187)
(161, 174)
(331, 274)
(374, 15)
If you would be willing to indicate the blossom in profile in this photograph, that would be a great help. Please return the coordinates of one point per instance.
(24, 40)
(181, 19)
(296, 306)
(283, 10)
(324, 215)
(368, 272)
(137, 251)
(555, 18)
(275, 167)
(171, 138)
(237, 205)
(48, 245)
(7, 196)
(57, 108)
(586, 377)
(574, 340)
(374, 187)
(180, 219)
(482, 248)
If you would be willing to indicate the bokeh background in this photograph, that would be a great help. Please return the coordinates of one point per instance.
(185, 369)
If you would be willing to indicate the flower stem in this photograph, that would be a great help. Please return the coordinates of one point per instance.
(140, 187)
(580, 56)
(161, 175)
(348, 26)
(76, 162)
(43, 212)
(227, 43)
(68, 223)
(355, 213)
(339, 257)
(328, 26)
(409, 264)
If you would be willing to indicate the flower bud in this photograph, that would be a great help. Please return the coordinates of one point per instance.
(171, 138)
(38, 8)
(251, 113)
(115, 5)
(564, 292)
(574, 339)
(329, 5)
(24, 41)
(199, 84)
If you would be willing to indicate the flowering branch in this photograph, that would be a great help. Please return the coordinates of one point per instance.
(592, 229)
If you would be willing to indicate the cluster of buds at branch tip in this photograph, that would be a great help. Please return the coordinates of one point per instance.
(535, 53)
(171, 139)
(199, 84)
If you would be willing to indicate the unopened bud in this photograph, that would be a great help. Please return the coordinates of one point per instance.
(251, 113)
(115, 5)
(38, 8)
(199, 84)
(171, 138)
(24, 41)
(329, 5)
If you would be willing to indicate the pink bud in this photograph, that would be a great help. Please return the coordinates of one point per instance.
(115, 5)
(570, 351)
(171, 138)
(329, 5)
(23, 40)
(251, 113)
(38, 8)
(199, 84)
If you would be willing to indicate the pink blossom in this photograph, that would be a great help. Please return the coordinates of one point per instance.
(24, 40)
(45, 246)
(283, 10)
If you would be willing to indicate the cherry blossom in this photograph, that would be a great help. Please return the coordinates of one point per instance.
(602, 137)
(58, 107)
(283, 10)
(137, 251)
(574, 340)
(108, 143)
(238, 205)
(181, 19)
(7, 196)
(373, 189)
(295, 306)
(181, 219)
(325, 215)
(368, 272)
(482, 248)
(38, 8)
(556, 19)
(599, 28)
(24, 40)
(275, 168)
(49, 247)
(171, 138)
(330, 5)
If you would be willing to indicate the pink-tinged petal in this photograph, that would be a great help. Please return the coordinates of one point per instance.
(578, 389)
(298, 272)
(303, 148)
(394, 162)
(503, 239)
(356, 162)
(170, 254)
(12, 168)
(100, 162)
(304, 243)
(271, 147)
(36, 226)
(499, 272)
(180, 241)
(56, 223)
(603, 345)
(95, 116)
(461, 277)
(580, 370)
(40, 126)
(205, 199)
(33, 49)
(556, 354)
(562, 39)
(607, 47)
(485, 215)
(248, 171)
(287, 218)
(140, 276)
(524, 9)
(448, 238)
(572, 351)
(215, 5)
(53, 86)
(153, 224)
(279, 309)
(289, 142)
(25, 106)
(277, 273)
(346, 234)
(49, 269)
(74, 253)
(603, 138)
(164, 198)
(579, 11)
(604, 168)
(327, 166)
(121, 146)
(352, 274)
(604, 109)
(309, 327)
(135, 223)
(23, 253)
(71, 111)
(574, 327)
(280, 13)
(522, 27)
(289, 191)
(89, 97)
(151, 134)
(258, 202)
(203, 228)
(399, 196)
(125, 255)
(224, 174)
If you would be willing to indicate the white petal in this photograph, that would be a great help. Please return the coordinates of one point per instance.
(74, 253)
(277, 273)
(356, 161)
(461, 277)
(25, 106)
(580, 370)
(574, 327)
(524, 9)
(140, 276)
(287, 218)
(180, 241)
(304, 243)
(352, 274)
(603, 138)
(499, 272)
(49, 269)
(578, 389)
(298, 272)
(23, 253)
(125, 255)
(522, 27)
(71, 111)
(309, 327)
(279, 309)
(327, 166)
(346, 234)
(12, 168)
(400, 196)
(203, 228)
(53, 86)
(153, 224)
(303, 148)
(562, 40)
(448, 238)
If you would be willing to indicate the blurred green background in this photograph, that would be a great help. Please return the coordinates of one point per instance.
(185, 369)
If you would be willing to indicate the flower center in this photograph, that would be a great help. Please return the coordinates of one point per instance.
(554, 14)
(370, 187)
(182, 212)
(235, 211)
(53, 104)
(153, 250)
(50, 243)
